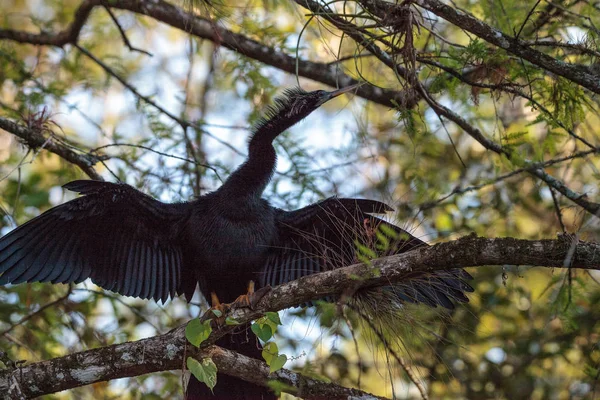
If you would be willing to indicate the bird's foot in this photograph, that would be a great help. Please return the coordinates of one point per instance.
(257, 296)
(251, 299)
(218, 310)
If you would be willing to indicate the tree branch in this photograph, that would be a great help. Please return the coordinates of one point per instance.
(167, 352)
(573, 72)
(380, 8)
(329, 74)
(159, 353)
(461, 190)
(577, 198)
(34, 139)
(579, 74)
(60, 39)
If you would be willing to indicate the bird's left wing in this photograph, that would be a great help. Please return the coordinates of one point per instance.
(335, 233)
(122, 239)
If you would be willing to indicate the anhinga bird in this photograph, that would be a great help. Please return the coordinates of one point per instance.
(132, 244)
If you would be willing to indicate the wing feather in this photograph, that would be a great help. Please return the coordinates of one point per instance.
(23, 256)
(324, 236)
(153, 274)
(120, 238)
(170, 267)
(133, 260)
(114, 260)
(162, 276)
(140, 260)
(64, 259)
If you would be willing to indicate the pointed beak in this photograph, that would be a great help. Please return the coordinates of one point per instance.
(330, 95)
(347, 89)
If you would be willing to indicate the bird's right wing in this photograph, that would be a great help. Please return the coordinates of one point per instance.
(336, 232)
(324, 236)
(122, 239)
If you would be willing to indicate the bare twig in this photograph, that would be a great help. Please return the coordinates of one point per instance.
(123, 35)
(37, 312)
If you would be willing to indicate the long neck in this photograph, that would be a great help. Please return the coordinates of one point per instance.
(253, 176)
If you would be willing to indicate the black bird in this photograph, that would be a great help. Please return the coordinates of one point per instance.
(132, 244)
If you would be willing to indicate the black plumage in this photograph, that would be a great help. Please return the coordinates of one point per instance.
(132, 244)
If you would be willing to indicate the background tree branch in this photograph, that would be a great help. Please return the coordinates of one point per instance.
(329, 74)
(576, 73)
(34, 139)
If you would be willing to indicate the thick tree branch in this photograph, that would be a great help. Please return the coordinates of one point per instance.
(167, 352)
(159, 353)
(34, 139)
(60, 39)
(232, 363)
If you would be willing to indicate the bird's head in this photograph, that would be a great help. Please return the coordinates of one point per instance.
(297, 104)
(294, 105)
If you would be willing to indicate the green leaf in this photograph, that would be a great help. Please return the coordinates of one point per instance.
(356, 277)
(383, 242)
(277, 363)
(231, 321)
(217, 313)
(375, 272)
(273, 317)
(270, 351)
(271, 355)
(264, 332)
(197, 331)
(205, 371)
(364, 250)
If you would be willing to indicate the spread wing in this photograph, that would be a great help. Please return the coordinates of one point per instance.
(337, 232)
(122, 239)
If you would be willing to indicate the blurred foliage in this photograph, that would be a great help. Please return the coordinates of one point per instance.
(527, 333)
